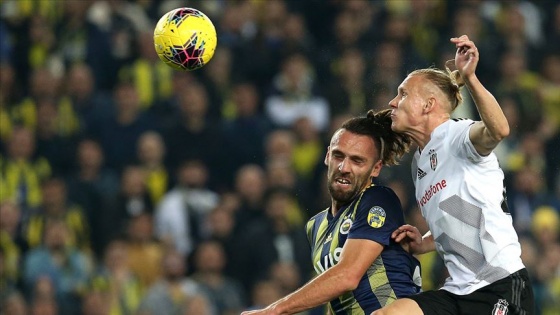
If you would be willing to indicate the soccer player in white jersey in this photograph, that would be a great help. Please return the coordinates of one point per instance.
(460, 191)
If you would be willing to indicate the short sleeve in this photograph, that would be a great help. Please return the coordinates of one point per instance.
(460, 141)
(379, 213)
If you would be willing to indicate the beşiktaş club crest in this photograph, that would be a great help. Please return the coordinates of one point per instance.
(500, 308)
(433, 159)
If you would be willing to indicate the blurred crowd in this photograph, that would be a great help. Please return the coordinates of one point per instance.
(127, 187)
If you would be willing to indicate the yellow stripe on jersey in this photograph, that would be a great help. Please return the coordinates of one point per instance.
(380, 283)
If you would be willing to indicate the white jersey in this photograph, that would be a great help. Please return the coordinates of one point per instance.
(462, 197)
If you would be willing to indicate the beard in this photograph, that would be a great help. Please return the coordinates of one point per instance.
(340, 195)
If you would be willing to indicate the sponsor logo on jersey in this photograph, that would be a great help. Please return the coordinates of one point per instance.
(420, 173)
(345, 226)
(433, 159)
(500, 308)
(431, 191)
(328, 260)
(376, 217)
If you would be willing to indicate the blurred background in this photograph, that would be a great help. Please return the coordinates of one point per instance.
(127, 187)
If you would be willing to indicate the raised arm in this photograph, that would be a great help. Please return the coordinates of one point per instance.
(486, 134)
(356, 257)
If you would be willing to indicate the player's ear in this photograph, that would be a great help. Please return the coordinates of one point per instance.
(376, 168)
(327, 155)
(429, 105)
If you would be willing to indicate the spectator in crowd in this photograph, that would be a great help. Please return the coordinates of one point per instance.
(90, 104)
(546, 231)
(271, 239)
(57, 148)
(58, 262)
(218, 81)
(348, 90)
(246, 132)
(180, 215)
(8, 98)
(93, 187)
(95, 302)
(115, 281)
(151, 156)
(225, 293)
(22, 171)
(45, 306)
(55, 206)
(144, 251)
(173, 290)
(13, 303)
(151, 77)
(193, 126)
(12, 245)
(250, 185)
(220, 224)
(132, 200)
(294, 95)
(119, 134)
(45, 85)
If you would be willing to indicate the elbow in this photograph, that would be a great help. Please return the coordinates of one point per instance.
(502, 133)
(350, 282)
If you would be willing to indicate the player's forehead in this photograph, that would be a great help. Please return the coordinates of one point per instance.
(411, 82)
(352, 144)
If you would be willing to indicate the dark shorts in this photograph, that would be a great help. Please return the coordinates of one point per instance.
(512, 295)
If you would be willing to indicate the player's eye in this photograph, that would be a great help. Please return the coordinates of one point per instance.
(338, 155)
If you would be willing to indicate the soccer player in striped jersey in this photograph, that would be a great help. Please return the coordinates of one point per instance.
(459, 188)
(359, 267)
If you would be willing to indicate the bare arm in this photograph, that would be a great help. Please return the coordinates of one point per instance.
(486, 134)
(356, 257)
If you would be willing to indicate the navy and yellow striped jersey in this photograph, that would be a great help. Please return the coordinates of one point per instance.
(373, 215)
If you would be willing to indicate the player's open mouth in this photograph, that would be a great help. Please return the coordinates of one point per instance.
(342, 181)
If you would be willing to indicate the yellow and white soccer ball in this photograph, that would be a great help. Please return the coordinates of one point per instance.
(185, 39)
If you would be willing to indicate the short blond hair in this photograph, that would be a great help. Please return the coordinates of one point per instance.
(449, 82)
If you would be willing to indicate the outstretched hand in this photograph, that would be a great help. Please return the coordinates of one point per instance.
(466, 57)
(409, 237)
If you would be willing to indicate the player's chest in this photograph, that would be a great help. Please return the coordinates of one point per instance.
(329, 244)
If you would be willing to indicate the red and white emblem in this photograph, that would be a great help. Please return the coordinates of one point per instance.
(500, 308)
(433, 159)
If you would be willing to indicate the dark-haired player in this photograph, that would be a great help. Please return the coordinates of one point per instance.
(360, 268)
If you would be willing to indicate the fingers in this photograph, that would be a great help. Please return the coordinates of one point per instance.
(402, 232)
(403, 235)
(464, 45)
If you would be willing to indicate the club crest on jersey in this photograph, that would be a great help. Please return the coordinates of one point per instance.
(433, 159)
(376, 217)
(500, 308)
(345, 226)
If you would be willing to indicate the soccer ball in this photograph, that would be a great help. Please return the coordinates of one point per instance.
(185, 39)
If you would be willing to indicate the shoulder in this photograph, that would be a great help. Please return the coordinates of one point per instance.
(319, 217)
(377, 198)
(379, 193)
(459, 124)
